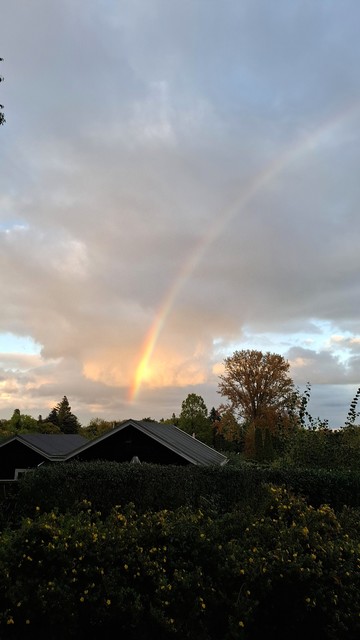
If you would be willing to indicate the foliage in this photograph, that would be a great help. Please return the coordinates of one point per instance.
(287, 571)
(259, 444)
(62, 417)
(324, 448)
(353, 414)
(268, 447)
(19, 423)
(258, 386)
(173, 420)
(153, 487)
(194, 419)
(23, 423)
(228, 433)
(47, 427)
(148, 486)
(97, 427)
(305, 418)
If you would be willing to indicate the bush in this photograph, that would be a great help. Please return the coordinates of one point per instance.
(291, 570)
(147, 486)
(153, 487)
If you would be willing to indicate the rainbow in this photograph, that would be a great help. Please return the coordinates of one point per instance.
(305, 144)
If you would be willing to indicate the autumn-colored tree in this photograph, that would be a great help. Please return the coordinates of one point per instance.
(258, 386)
(227, 431)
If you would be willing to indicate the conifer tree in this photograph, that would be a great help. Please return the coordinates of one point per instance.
(62, 417)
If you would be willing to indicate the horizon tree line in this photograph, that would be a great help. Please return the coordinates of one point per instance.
(261, 411)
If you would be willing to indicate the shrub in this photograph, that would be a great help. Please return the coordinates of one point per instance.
(289, 571)
(155, 487)
(147, 486)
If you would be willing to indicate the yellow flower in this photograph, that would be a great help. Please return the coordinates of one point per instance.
(241, 624)
(108, 602)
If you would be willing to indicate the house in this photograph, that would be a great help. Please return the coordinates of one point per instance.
(28, 451)
(154, 442)
(129, 441)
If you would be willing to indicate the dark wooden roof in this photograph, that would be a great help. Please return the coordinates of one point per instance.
(182, 444)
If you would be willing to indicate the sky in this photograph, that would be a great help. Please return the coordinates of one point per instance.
(179, 179)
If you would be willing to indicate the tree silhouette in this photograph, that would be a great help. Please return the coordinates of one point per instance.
(194, 418)
(62, 417)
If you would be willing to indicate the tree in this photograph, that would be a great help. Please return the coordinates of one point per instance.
(259, 445)
(53, 417)
(62, 417)
(15, 420)
(173, 420)
(258, 386)
(268, 447)
(214, 416)
(194, 418)
(227, 432)
(22, 423)
(2, 117)
(97, 427)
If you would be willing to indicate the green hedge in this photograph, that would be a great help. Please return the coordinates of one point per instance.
(153, 487)
(291, 571)
(336, 487)
(147, 486)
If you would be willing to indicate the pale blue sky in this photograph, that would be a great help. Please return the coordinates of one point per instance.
(179, 179)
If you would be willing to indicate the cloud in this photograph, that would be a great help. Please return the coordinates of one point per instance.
(189, 168)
